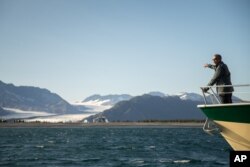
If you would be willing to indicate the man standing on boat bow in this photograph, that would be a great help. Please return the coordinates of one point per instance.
(221, 77)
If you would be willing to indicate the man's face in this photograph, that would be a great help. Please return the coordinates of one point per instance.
(216, 60)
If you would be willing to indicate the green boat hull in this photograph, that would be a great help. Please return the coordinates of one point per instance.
(230, 113)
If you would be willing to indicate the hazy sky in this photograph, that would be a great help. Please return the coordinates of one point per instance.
(77, 48)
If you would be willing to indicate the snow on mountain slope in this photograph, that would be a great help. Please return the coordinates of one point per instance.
(155, 93)
(17, 113)
(107, 99)
(93, 106)
(60, 118)
(182, 95)
(33, 116)
(189, 96)
(97, 103)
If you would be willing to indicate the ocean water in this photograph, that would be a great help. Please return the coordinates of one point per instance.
(112, 146)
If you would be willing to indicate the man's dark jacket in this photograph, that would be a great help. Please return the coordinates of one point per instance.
(221, 77)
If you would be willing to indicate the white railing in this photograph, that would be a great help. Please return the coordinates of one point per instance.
(242, 96)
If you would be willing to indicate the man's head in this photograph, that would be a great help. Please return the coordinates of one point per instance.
(217, 59)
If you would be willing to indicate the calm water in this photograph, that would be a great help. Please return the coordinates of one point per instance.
(111, 146)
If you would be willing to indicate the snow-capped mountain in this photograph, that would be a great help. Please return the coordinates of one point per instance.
(190, 96)
(156, 93)
(106, 99)
(148, 107)
(181, 95)
(99, 103)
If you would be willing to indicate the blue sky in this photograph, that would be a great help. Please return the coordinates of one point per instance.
(77, 48)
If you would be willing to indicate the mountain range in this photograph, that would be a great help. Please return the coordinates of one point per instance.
(158, 106)
(148, 107)
(28, 98)
(98, 103)
(41, 104)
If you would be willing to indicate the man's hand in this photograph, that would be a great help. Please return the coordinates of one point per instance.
(205, 65)
(205, 90)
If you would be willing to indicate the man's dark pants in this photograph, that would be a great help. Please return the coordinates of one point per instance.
(226, 98)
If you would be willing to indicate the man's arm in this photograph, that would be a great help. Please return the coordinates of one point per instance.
(210, 66)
